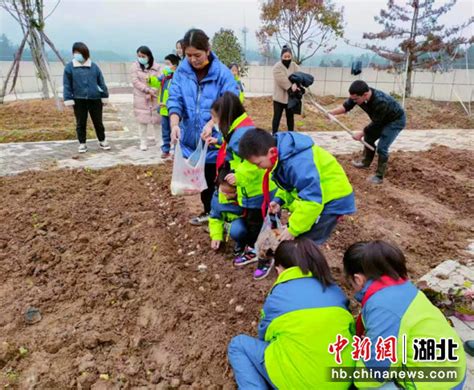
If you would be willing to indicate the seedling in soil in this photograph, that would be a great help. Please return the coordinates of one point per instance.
(23, 351)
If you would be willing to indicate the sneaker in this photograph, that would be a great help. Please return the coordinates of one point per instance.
(199, 220)
(238, 250)
(82, 148)
(248, 256)
(143, 146)
(263, 268)
(165, 155)
(104, 145)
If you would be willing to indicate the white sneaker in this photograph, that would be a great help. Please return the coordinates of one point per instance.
(143, 146)
(82, 148)
(104, 145)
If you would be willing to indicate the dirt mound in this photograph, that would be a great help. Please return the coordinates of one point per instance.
(131, 295)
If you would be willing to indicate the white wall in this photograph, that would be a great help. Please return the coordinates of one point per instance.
(328, 81)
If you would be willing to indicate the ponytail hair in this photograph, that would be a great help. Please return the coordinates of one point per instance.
(306, 255)
(374, 259)
(228, 108)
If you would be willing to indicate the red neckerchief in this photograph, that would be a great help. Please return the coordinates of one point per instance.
(377, 285)
(221, 154)
(266, 187)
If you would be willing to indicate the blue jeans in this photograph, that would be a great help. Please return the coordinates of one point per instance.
(238, 232)
(166, 134)
(246, 356)
(386, 136)
(322, 229)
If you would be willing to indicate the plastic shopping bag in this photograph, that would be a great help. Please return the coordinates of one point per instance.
(267, 240)
(188, 174)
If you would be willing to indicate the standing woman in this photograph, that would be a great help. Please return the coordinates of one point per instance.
(197, 83)
(281, 86)
(84, 89)
(179, 49)
(144, 97)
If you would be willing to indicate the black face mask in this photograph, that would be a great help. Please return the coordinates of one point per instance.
(286, 63)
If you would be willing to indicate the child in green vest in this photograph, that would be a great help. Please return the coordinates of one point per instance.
(162, 84)
(303, 313)
(397, 317)
(234, 68)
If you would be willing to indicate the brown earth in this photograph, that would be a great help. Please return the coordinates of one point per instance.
(421, 114)
(40, 120)
(110, 261)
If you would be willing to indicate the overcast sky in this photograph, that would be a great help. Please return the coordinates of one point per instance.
(123, 25)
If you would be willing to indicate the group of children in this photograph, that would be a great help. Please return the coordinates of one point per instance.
(306, 328)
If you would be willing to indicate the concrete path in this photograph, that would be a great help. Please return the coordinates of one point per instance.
(19, 157)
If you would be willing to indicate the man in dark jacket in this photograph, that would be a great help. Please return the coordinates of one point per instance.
(388, 120)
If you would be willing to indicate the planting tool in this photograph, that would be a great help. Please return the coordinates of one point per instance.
(333, 118)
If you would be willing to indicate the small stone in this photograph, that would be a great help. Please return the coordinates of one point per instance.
(194, 280)
(254, 324)
(239, 309)
(180, 251)
(213, 304)
(32, 315)
(232, 301)
(201, 288)
(201, 267)
(175, 382)
(217, 276)
(192, 253)
(228, 285)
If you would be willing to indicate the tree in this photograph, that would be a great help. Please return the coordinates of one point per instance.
(30, 16)
(423, 42)
(306, 26)
(227, 47)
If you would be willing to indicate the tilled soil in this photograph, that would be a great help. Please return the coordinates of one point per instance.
(109, 260)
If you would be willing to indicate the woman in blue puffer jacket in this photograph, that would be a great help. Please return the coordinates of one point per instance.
(197, 83)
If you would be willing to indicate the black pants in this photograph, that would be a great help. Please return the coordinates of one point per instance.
(94, 108)
(278, 112)
(253, 221)
(206, 195)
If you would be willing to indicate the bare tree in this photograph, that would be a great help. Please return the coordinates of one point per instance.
(424, 43)
(29, 14)
(306, 26)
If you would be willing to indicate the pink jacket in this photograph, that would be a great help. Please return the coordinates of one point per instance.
(144, 104)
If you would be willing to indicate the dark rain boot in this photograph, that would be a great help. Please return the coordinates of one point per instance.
(367, 157)
(380, 172)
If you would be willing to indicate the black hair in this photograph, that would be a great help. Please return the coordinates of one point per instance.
(81, 48)
(180, 41)
(358, 88)
(228, 108)
(223, 172)
(173, 58)
(374, 259)
(256, 142)
(197, 39)
(305, 254)
(232, 64)
(146, 50)
(285, 49)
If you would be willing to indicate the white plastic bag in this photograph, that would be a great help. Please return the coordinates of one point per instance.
(267, 240)
(188, 174)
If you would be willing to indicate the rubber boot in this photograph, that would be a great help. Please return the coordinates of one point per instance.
(380, 172)
(367, 157)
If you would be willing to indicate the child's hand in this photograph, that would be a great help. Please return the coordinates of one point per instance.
(215, 244)
(230, 178)
(285, 235)
(211, 140)
(274, 207)
(358, 135)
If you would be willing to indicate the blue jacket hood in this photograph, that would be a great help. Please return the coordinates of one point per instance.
(291, 143)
